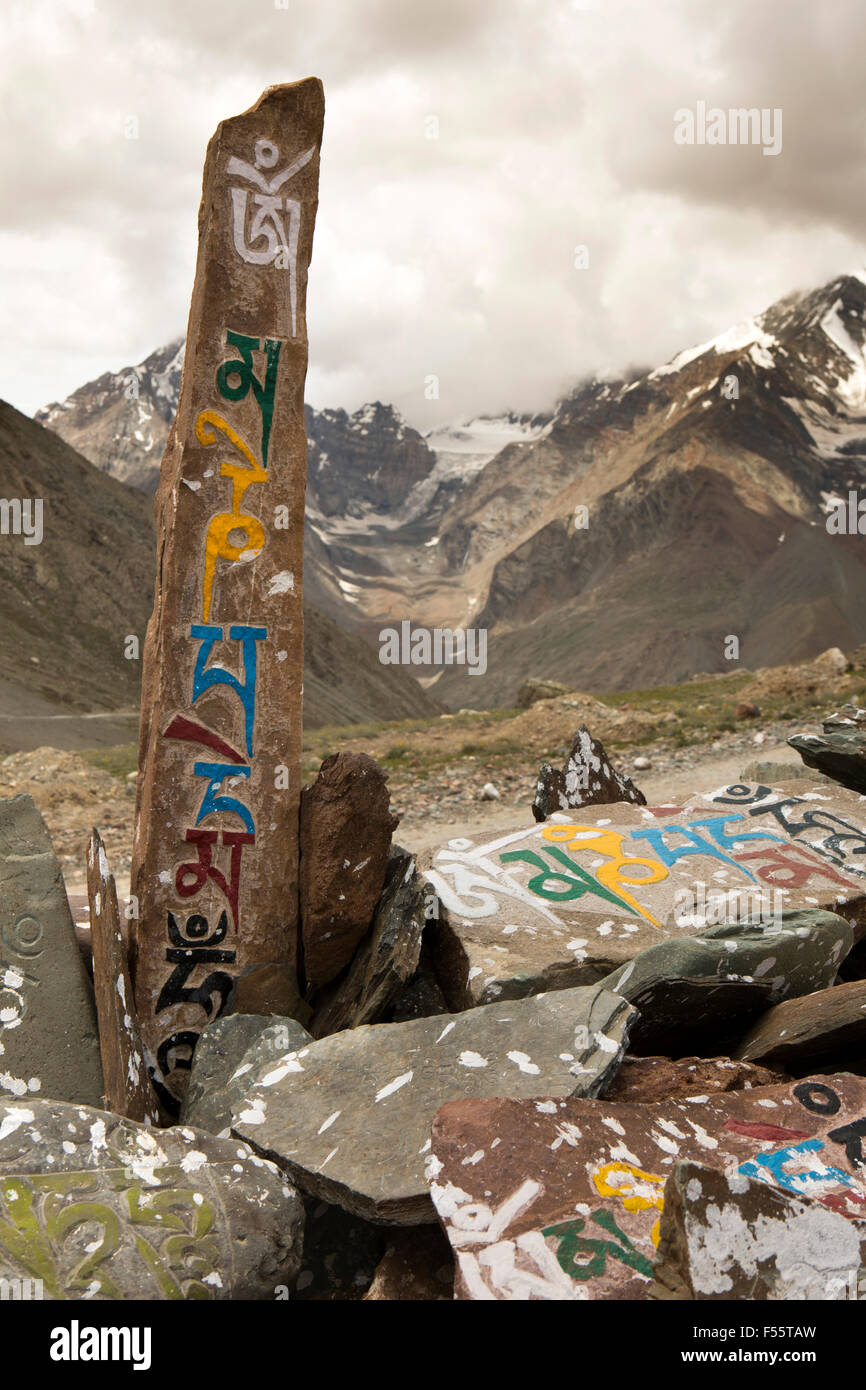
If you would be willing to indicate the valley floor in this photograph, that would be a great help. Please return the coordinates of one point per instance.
(696, 736)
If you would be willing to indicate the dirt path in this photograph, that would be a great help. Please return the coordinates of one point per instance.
(673, 785)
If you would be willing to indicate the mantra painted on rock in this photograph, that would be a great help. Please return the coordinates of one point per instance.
(568, 1207)
(752, 845)
(215, 859)
(222, 822)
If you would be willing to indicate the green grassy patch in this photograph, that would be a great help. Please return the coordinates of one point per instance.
(119, 761)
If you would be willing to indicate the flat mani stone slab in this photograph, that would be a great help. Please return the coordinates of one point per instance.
(568, 901)
(348, 1117)
(99, 1207)
(723, 1236)
(49, 1044)
(561, 1198)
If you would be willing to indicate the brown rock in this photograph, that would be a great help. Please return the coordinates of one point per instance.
(260, 983)
(723, 1236)
(745, 710)
(562, 1198)
(346, 829)
(215, 862)
(647, 1080)
(533, 690)
(587, 779)
(418, 1265)
(128, 1091)
(828, 1023)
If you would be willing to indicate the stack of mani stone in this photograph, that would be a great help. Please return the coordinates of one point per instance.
(610, 1053)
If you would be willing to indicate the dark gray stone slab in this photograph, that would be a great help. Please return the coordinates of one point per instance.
(838, 755)
(792, 954)
(48, 1033)
(226, 1053)
(349, 1116)
(386, 958)
(828, 1023)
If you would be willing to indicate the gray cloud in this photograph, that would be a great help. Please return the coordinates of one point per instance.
(452, 256)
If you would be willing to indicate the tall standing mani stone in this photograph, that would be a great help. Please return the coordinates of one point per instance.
(215, 861)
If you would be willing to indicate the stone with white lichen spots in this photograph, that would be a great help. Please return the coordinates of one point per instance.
(715, 983)
(723, 1236)
(225, 1054)
(99, 1207)
(348, 1117)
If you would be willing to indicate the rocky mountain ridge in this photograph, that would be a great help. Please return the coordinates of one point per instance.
(616, 541)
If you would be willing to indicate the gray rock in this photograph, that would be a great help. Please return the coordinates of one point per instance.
(848, 717)
(840, 756)
(774, 772)
(388, 956)
(98, 1207)
(226, 1052)
(724, 976)
(794, 953)
(49, 1043)
(349, 1117)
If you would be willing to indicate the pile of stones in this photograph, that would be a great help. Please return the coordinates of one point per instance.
(619, 1051)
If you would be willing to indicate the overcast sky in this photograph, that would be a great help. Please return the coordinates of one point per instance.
(452, 256)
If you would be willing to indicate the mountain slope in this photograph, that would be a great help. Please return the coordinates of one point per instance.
(68, 604)
(706, 514)
(707, 483)
(121, 420)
